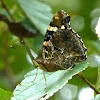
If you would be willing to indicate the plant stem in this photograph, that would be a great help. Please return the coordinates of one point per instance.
(98, 79)
(87, 82)
(4, 5)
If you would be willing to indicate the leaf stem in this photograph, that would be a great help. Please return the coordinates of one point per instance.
(87, 82)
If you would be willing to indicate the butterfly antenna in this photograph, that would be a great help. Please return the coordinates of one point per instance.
(17, 49)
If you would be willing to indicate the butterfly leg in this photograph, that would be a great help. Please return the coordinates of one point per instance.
(36, 74)
(45, 79)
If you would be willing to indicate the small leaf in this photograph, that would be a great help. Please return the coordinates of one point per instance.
(29, 90)
(39, 13)
(5, 95)
(97, 97)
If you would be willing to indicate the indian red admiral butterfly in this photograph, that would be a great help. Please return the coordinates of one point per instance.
(62, 47)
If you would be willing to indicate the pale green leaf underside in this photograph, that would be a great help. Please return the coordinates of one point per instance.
(5, 95)
(97, 97)
(39, 13)
(29, 90)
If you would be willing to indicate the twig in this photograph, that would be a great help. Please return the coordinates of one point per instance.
(4, 5)
(18, 29)
(86, 81)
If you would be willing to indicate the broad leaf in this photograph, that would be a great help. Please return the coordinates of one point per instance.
(5, 95)
(39, 13)
(29, 90)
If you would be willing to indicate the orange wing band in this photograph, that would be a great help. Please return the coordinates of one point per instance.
(47, 43)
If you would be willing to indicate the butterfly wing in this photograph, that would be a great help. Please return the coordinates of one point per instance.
(62, 47)
(61, 20)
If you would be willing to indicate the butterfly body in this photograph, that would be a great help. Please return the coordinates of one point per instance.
(62, 47)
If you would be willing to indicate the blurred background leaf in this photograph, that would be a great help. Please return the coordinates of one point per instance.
(40, 14)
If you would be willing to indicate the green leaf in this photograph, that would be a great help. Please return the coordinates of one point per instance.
(39, 13)
(28, 25)
(97, 45)
(97, 97)
(29, 90)
(5, 95)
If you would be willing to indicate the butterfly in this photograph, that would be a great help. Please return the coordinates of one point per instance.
(62, 47)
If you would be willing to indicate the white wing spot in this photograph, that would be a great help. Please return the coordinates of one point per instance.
(62, 27)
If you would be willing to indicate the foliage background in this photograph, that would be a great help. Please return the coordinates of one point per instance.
(15, 63)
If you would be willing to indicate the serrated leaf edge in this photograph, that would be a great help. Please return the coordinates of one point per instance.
(60, 87)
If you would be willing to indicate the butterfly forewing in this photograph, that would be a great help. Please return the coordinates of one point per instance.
(62, 47)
